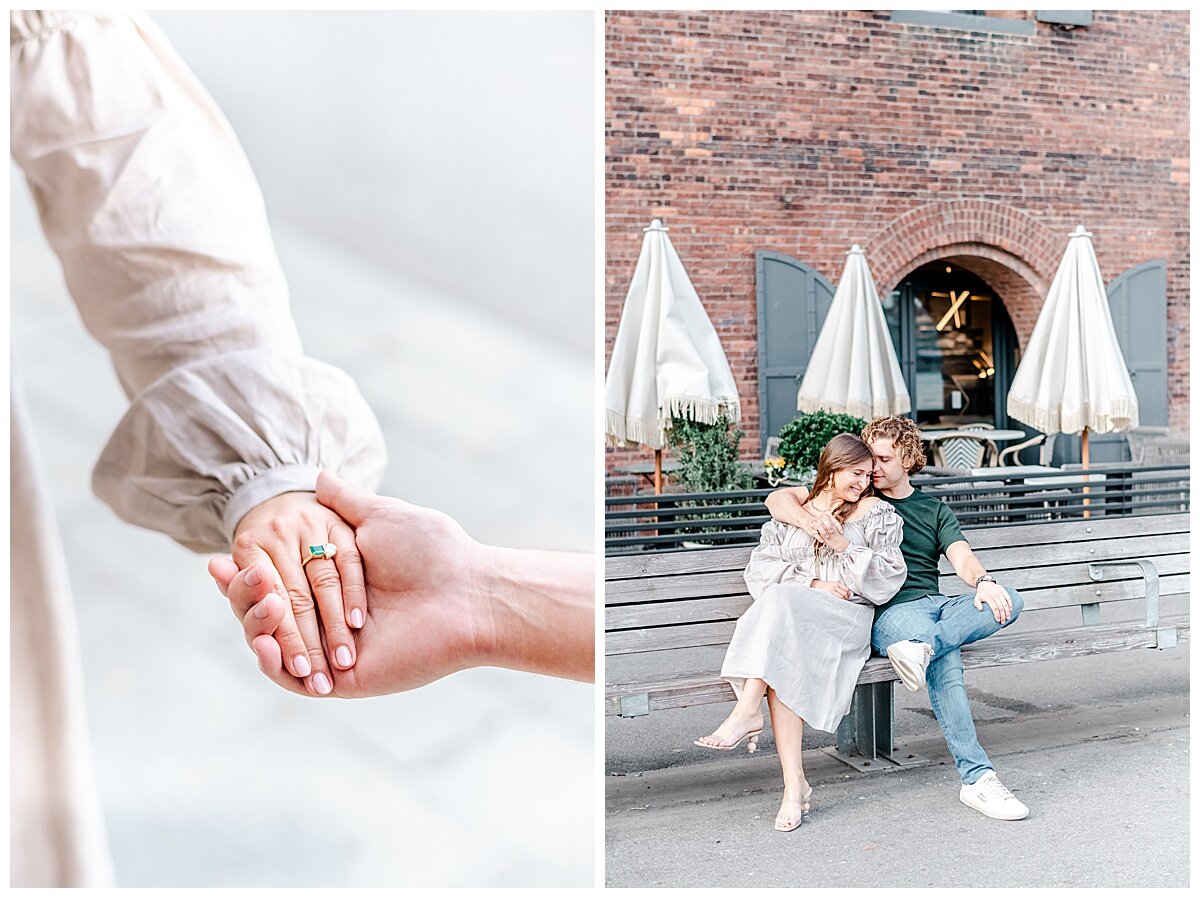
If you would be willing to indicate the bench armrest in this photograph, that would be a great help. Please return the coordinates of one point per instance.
(1166, 635)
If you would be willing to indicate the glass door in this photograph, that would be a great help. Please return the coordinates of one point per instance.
(956, 346)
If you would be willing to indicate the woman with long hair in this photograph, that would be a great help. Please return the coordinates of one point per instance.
(804, 641)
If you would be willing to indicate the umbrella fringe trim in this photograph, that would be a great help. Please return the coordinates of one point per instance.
(897, 405)
(1053, 421)
(623, 431)
(703, 411)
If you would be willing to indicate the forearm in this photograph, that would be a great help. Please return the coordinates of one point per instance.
(542, 611)
(786, 505)
(968, 568)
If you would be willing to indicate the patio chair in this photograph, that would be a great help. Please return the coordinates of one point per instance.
(993, 450)
(1045, 455)
(620, 485)
(960, 452)
(1165, 451)
(1139, 439)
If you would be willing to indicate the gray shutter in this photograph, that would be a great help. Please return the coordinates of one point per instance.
(793, 301)
(1137, 299)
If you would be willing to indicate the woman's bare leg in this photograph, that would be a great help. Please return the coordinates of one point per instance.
(746, 716)
(788, 728)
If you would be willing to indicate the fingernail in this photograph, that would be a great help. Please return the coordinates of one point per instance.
(260, 610)
(303, 668)
(321, 684)
(356, 618)
(253, 576)
(343, 656)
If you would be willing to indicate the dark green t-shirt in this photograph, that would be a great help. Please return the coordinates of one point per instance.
(930, 527)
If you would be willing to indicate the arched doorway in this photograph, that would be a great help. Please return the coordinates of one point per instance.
(956, 345)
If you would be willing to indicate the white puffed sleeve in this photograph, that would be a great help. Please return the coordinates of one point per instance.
(774, 561)
(152, 208)
(875, 571)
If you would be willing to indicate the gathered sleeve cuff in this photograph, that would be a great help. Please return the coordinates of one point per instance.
(877, 570)
(206, 443)
(772, 562)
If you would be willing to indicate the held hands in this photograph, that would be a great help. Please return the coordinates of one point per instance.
(823, 527)
(829, 529)
(996, 598)
(421, 605)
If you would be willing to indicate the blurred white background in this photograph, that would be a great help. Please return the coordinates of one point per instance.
(429, 179)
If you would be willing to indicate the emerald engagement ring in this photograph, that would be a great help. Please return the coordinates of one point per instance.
(328, 550)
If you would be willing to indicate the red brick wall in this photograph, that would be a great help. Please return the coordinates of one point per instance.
(807, 131)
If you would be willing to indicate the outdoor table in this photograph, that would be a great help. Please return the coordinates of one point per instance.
(1022, 472)
(995, 436)
(1014, 472)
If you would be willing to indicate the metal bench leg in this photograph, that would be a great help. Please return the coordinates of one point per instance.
(866, 735)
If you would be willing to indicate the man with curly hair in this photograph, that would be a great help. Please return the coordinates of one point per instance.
(920, 630)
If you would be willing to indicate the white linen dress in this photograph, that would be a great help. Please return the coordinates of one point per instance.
(146, 197)
(807, 644)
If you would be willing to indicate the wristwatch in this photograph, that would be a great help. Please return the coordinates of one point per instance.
(985, 578)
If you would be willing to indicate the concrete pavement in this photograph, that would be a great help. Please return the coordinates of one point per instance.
(1097, 747)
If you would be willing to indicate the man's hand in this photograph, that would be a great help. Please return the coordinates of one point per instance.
(787, 505)
(995, 597)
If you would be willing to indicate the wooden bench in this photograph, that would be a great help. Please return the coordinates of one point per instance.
(675, 600)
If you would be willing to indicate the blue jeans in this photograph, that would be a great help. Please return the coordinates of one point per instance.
(947, 624)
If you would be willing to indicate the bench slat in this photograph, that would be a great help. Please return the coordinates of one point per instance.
(1100, 550)
(685, 612)
(735, 557)
(658, 639)
(1000, 558)
(686, 690)
(726, 583)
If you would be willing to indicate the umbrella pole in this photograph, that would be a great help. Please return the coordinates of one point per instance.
(1087, 512)
(658, 472)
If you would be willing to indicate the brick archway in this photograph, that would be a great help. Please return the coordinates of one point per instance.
(1010, 250)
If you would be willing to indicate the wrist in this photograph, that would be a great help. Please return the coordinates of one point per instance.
(534, 611)
(265, 487)
(985, 578)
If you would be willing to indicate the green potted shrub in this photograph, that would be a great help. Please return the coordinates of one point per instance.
(802, 439)
(708, 463)
(707, 456)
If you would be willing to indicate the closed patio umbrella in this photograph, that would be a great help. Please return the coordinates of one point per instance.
(1072, 377)
(667, 360)
(853, 368)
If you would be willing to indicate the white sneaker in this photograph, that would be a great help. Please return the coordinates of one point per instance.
(990, 798)
(909, 660)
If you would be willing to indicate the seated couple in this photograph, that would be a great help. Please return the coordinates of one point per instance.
(847, 568)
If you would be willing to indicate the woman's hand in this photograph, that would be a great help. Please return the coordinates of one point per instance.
(276, 535)
(832, 587)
